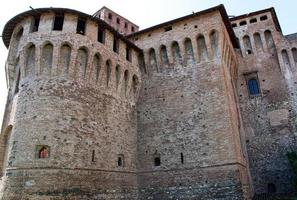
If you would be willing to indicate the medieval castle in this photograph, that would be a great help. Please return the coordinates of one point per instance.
(200, 107)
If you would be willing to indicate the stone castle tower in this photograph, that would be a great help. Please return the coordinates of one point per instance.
(200, 107)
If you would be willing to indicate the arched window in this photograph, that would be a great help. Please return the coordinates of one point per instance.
(65, 55)
(164, 56)
(189, 51)
(135, 83)
(30, 60)
(153, 60)
(126, 80)
(157, 161)
(271, 188)
(97, 66)
(247, 45)
(47, 58)
(214, 42)
(118, 75)
(202, 50)
(269, 39)
(141, 62)
(43, 152)
(286, 59)
(82, 60)
(176, 53)
(253, 87)
(258, 41)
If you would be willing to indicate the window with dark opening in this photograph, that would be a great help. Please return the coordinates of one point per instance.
(93, 156)
(132, 29)
(157, 161)
(254, 20)
(126, 25)
(118, 21)
(234, 25)
(253, 87)
(169, 28)
(121, 161)
(81, 26)
(128, 54)
(58, 23)
(116, 44)
(182, 158)
(109, 16)
(101, 35)
(42, 151)
(264, 17)
(35, 24)
(242, 23)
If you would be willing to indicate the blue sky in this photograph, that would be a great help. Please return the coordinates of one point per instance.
(145, 14)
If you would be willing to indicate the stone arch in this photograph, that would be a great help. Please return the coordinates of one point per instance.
(126, 81)
(141, 63)
(30, 60)
(108, 72)
(164, 55)
(46, 59)
(65, 57)
(294, 53)
(189, 51)
(177, 58)
(247, 45)
(202, 49)
(286, 59)
(258, 41)
(135, 85)
(153, 60)
(4, 146)
(96, 66)
(16, 38)
(269, 39)
(118, 75)
(82, 60)
(213, 36)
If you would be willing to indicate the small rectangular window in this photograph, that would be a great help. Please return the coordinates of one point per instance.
(169, 28)
(110, 16)
(128, 54)
(264, 17)
(101, 35)
(115, 45)
(58, 23)
(132, 29)
(254, 20)
(126, 25)
(35, 24)
(234, 25)
(81, 26)
(242, 23)
(118, 21)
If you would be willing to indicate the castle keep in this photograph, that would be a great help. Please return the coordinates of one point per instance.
(200, 107)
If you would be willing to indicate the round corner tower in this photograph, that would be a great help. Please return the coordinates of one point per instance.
(70, 121)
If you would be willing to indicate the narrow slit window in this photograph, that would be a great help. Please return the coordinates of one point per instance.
(120, 161)
(58, 23)
(81, 26)
(128, 54)
(182, 158)
(93, 156)
(115, 45)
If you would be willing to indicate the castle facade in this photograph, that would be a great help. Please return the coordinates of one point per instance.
(200, 107)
